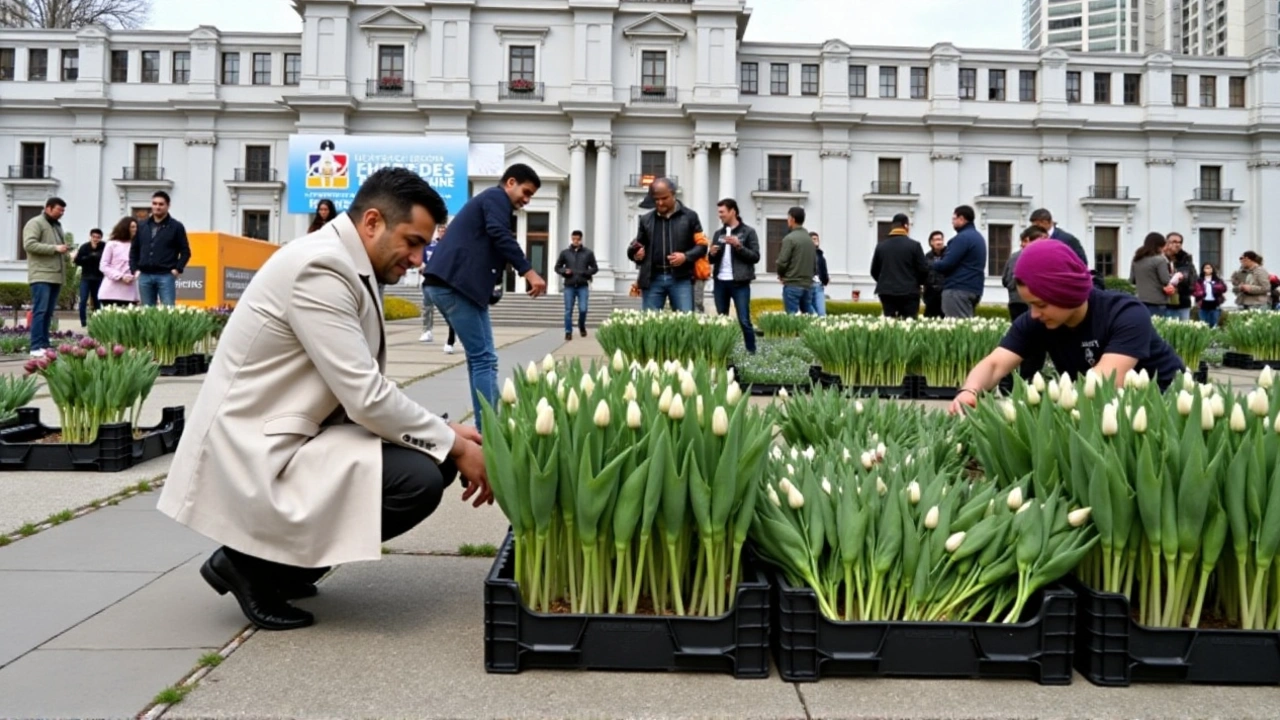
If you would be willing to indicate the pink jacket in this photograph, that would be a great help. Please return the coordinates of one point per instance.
(115, 266)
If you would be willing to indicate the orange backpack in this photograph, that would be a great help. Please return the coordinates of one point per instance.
(702, 266)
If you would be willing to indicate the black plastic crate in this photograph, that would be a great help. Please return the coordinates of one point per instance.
(114, 450)
(1201, 375)
(186, 366)
(770, 389)
(811, 646)
(923, 391)
(1114, 649)
(1245, 361)
(516, 638)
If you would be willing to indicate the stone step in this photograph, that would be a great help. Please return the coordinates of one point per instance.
(517, 309)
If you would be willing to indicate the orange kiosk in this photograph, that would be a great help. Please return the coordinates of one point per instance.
(220, 269)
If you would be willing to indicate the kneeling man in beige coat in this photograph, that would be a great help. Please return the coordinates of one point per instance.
(299, 453)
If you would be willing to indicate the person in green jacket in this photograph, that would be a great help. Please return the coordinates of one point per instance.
(46, 269)
(796, 262)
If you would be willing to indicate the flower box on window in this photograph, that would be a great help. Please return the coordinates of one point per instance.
(521, 85)
(654, 89)
(391, 83)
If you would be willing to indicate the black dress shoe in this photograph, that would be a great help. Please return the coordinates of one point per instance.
(265, 608)
(299, 591)
(584, 332)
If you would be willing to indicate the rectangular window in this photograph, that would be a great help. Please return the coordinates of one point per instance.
(995, 85)
(919, 83)
(809, 79)
(522, 65)
(1211, 247)
(653, 165)
(7, 61)
(37, 64)
(1236, 91)
(1000, 178)
(262, 68)
(749, 78)
(1180, 90)
(858, 81)
(1106, 247)
(774, 230)
(257, 163)
(391, 63)
(181, 67)
(1211, 181)
(230, 68)
(119, 66)
(1073, 86)
(968, 84)
(653, 68)
(292, 68)
(25, 214)
(146, 162)
(1208, 91)
(257, 224)
(1105, 180)
(1026, 86)
(890, 174)
(1132, 89)
(150, 66)
(33, 160)
(1000, 245)
(779, 173)
(883, 227)
(888, 82)
(70, 65)
(778, 76)
(1101, 88)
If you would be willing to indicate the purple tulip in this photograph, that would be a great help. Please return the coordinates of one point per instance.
(102, 351)
(65, 348)
(43, 363)
(79, 352)
(88, 343)
(30, 367)
(118, 350)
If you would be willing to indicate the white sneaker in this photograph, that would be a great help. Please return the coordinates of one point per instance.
(448, 349)
(37, 353)
(426, 337)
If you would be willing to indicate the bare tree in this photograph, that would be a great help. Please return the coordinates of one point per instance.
(74, 13)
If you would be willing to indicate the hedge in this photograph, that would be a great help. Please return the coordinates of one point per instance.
(873, 309)
(18, 295)
(394, 308)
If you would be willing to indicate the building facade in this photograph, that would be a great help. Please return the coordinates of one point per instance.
(601, 97)
(1086, 25)
(1186, 27)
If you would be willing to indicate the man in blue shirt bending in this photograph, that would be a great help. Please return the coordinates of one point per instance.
(963, 267)
(466, 266)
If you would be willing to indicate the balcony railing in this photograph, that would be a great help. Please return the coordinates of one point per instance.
(143, 172)
(779, 185)
(389, 87)
(521, 90)
(642, 181)
(255, 175)
(1001, 190)
(30, 172)
(1109, 192)
(653, 93)
(882, 187)
(1215, 194)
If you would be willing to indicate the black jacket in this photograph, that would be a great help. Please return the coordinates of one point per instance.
(820, 267)
(661, 236)
(159, 247)
(898, 266)
(1183, 263)
(1072, 242)
(580, 262)
(89, 259)
(933, 284)
(744, 257)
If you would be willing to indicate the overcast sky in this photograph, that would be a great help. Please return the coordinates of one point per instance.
(966, 23)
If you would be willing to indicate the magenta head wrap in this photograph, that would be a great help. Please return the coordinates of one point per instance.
(1054, 273)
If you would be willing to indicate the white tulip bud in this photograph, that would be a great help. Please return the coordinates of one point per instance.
(588, 386)
(1068, 399)
(1144, 379)
(795, 454)
(1015, 498)
(730, 375)
(1055, 391)
(773, 498)
(543, 404)
(551, 377)
(1237, 419)
(795, 499)
(847, 456)
(881, 487)
(687, 387)
(511, 423)
(913, 492)
(785, 485)
(651, 367)
(931, 518)
(531, 374)
(880, 451)
(1033, 396)
(546, 421)
(1188, 382)
(782, 393)
(1219, 406)
(1075, 415)
(1258, 403)
(602, 414)
(509, 392)
(1207, 390)
(629, 392)
(1140, 420)
(1131, 379)
(571, 405)
(698, 407)
(1078, 517)
(1265, 378)
(791, 469)
(858, 407)
(1110, 425)
(633, 415)
(826, 486)
(733, 394)
(677, 408)
(1037, 382)
(868, 459)
(655, 389)
(1277, 424)
(953, 542)
(1027, 506)
(809, 453)
(776, 452)
(1091, 382)
(719, 421)
(619, 362)
(1185, 402)
(1066, 380)
(1009, 411)
(548, 363)
(664, 402)
(1206, 416)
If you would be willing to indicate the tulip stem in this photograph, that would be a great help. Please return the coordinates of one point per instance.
(638, 581)
(737, 566)
(675, 579)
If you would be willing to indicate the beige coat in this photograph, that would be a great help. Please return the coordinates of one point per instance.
(281, 457)
(41, 238)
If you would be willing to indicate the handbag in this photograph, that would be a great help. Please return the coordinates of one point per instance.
(701, 266)
(495, 295)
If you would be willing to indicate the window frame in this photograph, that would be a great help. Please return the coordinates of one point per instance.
(1132, 89)
(810, 85)
(999, 248)
(773, 242)
(1209, 91)
(967, 90)
(256, 72)
(264, 215)
(527, 60)
(293, 77)
(1101, 88)
(1108, 267)
(252, 168)
(65, 73)
(749, 85)
(175, 73)
(1236, 91)
(119, 73)
(779, 84)
(666, 158)
(889, 73)
(31, 66)
(779, 182)
(1023, 86)
(1178, 86)
(655, 79)
(919, 83)
(232, 73)
(857, 81)
(138, 165)
(152, 73)
(1076, 94)
(997, 85)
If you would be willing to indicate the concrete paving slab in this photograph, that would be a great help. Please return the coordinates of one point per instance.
(454, 523)
(37, 606)
(383, 626)
(108, 540)
(98, 683)
(142, 502)
(179, 610)
(30, 497)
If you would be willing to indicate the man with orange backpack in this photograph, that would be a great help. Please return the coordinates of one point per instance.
(668, 244)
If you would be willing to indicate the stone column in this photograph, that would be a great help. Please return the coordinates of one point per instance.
(577, 184)
(198, 187)
(701, 179)
(728, 171)
(603, 239)
(845, 255)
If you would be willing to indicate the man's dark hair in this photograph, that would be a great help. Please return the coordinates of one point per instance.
(54, 202)
(936, 233)
(394, 192)
(730, 204)
(1034, 232)
(1175, 234)
(665, 182)
(1041, 214)
(1252, 256)
(162, 195)
(965, 212)
(796, 213)
(901, 220)
(522, 174)
(96, 231)
(576, 233)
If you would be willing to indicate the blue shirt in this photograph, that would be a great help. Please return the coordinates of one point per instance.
(964, 264)
(1115, 323)
(476, 247)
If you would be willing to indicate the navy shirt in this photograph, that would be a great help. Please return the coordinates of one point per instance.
(476, 246)
(964, 264)
(1115, 323)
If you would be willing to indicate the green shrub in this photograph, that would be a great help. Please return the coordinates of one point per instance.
(394, 308)
(870, 309)
(1120, 285)
(18, 294)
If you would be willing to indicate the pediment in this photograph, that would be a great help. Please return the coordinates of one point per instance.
(654, 25)
(521, 32)
(836, 46)
(94, 31)
(392, 19)
(547, 170)
(205, 32)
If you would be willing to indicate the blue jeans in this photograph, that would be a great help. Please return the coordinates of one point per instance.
(1210, 317)
(740, 293)
(819, 300)
(44, 301)
(88, 291)
(580, 294)
(428, 311)
(153, 286)
(1178, 313)
(797, 300)
(664, 287)
(471, 322)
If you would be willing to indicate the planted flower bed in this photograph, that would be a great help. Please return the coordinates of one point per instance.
(14, 393)
(16, 340)
(1254, 336)
(171, 333)
(1188, 338)
(663, 336)
(783, 325)
(777, 365)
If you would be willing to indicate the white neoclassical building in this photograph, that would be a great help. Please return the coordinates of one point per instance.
(599, 96)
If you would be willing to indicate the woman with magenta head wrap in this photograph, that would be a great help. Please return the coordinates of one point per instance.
(1080, 327)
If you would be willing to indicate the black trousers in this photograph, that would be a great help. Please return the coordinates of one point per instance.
(900, 306)
(412, 486)
(933, 303)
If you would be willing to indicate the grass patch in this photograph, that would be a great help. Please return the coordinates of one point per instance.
(210, 660)
(59, 518)
(5, 540)
(171, 695)
(144, 486)
(386, 550)
(27, 530)
(483, 550)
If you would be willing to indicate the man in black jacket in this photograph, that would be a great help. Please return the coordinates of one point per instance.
(821, 278)
(577, 265)
(1180, 302)
(89, 258)
(665, 249)
(1043, 219)
(735, 250)
(933, 284)
(899, 269)
(160, 252)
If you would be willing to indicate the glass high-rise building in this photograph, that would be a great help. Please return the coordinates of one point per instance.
(1184, 27)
